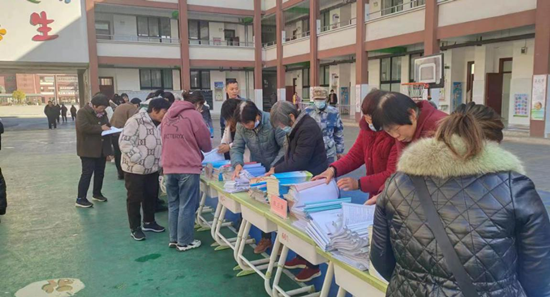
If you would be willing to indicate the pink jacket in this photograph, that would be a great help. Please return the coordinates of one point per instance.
(184, 136)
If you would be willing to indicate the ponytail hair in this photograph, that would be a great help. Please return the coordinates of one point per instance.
(474, 124)
(195, 97)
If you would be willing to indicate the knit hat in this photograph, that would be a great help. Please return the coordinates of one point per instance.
(319, 93)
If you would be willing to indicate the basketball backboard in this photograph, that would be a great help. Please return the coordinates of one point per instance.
(429, 70)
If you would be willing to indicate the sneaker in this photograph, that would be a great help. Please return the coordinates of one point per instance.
(138, 234)
(172, 244)
(262, 246)
(100, 198)
(153, 227)
(296, 263)
(83, 202)
(195, 244)
(307, 274)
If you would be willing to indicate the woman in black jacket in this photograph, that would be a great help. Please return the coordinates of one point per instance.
(305, 146)
(490, 211)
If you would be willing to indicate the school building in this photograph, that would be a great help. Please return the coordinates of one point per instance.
(495, 52)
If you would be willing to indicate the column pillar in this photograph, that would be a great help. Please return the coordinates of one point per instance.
(540, 127)
(258, 84)
(280, 26)
(361, 60)
(92, 48)
(314, 12)
(184, 46)
(431, 44)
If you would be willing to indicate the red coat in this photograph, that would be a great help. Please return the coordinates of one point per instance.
(428, 122)
(377, 151)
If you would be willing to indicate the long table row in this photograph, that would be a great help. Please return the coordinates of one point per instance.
(348, 278)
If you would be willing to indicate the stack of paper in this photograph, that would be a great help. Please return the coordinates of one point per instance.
(309, 192)
(212, 156)
(213, 170)
(240, 184)
(253, 169)
(258, 193)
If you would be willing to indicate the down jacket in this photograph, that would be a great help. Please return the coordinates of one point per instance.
(492, 214)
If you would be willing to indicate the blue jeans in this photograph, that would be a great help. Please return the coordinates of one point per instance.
(183, 201)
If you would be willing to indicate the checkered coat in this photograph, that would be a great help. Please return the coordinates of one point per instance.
(140, 144)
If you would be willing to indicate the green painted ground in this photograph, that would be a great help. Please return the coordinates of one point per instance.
(44, 236)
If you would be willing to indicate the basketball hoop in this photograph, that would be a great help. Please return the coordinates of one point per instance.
(417, 91)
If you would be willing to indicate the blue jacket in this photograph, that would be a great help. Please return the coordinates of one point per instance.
(266, 144)
(330, 122)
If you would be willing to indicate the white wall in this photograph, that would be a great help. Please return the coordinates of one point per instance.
(455, 12)
(522, 76)
(69, 24)
(234, 4)
(138, 50)
(230, 53)
(398, 24)
(296, 47)
(215, 30)
(125, 79)
(271, 53)
(125, 25)
(268, 4)
(337, 38)
(374, 74)
(290, 75)
(176, 79)
(240, 76)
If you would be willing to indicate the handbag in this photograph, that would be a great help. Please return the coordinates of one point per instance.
(449, 253)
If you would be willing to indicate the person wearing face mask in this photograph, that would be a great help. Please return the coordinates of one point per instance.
(265, 143)
(305, 146)
(330, 122)
(232, 92)
(92, 148)
(140, 145)
(305, 151)
(405, 120)
(373, 148)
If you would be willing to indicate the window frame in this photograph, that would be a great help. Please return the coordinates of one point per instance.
(323, 80)
(200, 82)
(200, 39)
(163, 82)
(390, 82)
(158, 20)
(306, 84)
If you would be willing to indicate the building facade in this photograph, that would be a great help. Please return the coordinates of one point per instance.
(496, 52)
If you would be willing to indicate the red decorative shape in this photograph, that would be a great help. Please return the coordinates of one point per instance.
(42, 20)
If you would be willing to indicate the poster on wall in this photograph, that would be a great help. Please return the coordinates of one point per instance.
(521, 105)
(539, 97)
(218, 90)
(344, 101)
(457, 94)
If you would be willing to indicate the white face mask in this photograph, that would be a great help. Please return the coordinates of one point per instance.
(371, 126)
(256, 124)
(320, 104)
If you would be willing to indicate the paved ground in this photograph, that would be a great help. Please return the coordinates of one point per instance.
(44, 237)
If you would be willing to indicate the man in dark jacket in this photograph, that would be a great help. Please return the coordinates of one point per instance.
(92, 148)
(332, 98)
(3, 196)
(57, 110)
(64, 113)
(51, 114)
(73, 112)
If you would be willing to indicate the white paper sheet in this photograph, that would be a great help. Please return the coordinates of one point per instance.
(113, 130)
(357, 213)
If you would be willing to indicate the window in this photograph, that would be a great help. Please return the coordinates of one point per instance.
(390, 74)
(305, 83)
(151, 79)
(200, 79)
(325, 20)
(416, 3)
(411, 65)
(391, 6)
(103, 30)
(324, 76)
(198, 32)
(154, 27)
(305, 27)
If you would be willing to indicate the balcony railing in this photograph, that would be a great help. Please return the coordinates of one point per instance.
(298, 36)
(220, 42)
(269, 44)
(395, 9)
(135, 38)
(335, 26)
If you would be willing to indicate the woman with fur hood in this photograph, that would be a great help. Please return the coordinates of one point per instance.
(460, 218)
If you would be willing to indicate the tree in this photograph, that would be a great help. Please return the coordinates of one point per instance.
(19, 96)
